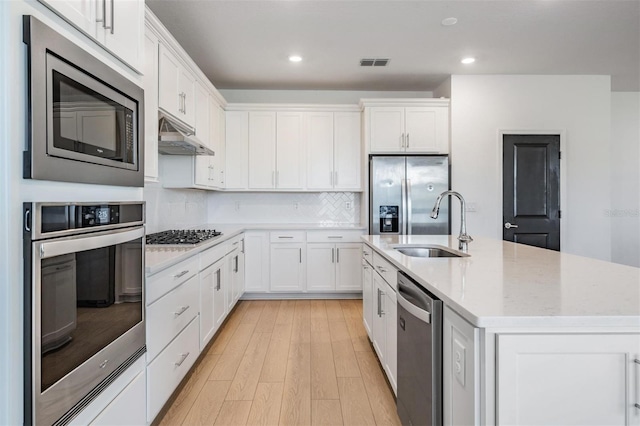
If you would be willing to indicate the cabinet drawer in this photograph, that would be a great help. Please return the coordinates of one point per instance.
(333, 236)
(165, 281)
(168, 369)
(386, 270)
(367, 253)
(212, 255)
(288, 237)
(169, 315)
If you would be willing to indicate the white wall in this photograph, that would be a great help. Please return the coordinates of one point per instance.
(294, 208)
(625, 178)
(313, 96)
(579, 106)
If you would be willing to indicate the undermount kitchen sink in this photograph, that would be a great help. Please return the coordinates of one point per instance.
(428, 251)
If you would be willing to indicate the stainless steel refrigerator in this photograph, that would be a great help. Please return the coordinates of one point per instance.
(403, 190)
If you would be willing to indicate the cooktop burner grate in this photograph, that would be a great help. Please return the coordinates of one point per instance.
(182, 236)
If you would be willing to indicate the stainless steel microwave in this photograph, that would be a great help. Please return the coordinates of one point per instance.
(86, 120)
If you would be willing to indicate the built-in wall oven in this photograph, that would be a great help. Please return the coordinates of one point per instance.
(419, 355)
(86, 119)
(84, 305)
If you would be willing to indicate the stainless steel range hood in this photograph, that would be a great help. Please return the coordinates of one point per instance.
(176, 138)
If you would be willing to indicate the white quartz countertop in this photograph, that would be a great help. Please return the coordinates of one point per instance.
(160, 257)
(503, 284)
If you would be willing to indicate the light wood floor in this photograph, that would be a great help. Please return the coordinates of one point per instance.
(289, 362)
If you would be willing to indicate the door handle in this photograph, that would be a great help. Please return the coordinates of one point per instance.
(407, 140)
(403, 206)
(104, 15)
(181, 311)
(300, 255)
(113, 16)
(408, 189)
(637, 361)
(510, 225)
(182, 358)
(332, 257)
(337, 255)
(402, 141)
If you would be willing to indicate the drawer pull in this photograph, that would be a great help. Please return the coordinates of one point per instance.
(182, 358)
(364, 253)
(637, 361)
(236, 243)
(181, 311)
(181, 274)
(336, 236)
(287, 236)
(381, 269)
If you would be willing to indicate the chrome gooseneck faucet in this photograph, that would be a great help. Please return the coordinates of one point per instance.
(464, 238)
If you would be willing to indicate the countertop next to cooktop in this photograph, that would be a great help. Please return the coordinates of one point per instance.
(503, 284)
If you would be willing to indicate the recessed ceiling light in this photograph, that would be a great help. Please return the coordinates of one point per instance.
(295, 58)
(447, 22)
(468, 60)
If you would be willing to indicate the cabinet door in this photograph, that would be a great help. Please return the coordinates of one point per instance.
(290, 151)
(220, 283)
(386, 129)
(217, 136)
(348, 269)
(124, 38)
(256, 247)
(587, 379)
(202, 115)
(150, 84)
(390, 312)
(187, 86)
(321, 267)
(379, 324)
(367, 298)
(237, 276)
(240, 276)
(129, 407)
(347, 157)
(422, 129)
(208, 283)
(203, 171)
(169, 97)
(80, 13)
(237, 150)
(319, 137)
(287, 271)
(262, 150)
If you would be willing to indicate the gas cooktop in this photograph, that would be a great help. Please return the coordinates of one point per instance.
(182, 236)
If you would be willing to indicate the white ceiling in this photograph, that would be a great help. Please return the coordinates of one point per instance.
(245, 44)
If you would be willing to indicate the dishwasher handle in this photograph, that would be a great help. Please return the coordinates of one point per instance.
(421, 314)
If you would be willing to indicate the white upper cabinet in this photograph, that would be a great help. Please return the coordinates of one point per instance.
(217, 138)
(262, 150)
(289, 151)
(115, 24)
(347, 153)
(420, 126)
(202, 115)
(150, 80)
(319, 133)
(176, 87)
(237, 150)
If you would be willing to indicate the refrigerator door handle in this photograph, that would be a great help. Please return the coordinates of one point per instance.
(403, 188)
(408, 192)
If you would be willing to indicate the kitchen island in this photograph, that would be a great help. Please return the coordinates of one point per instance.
(530, 335)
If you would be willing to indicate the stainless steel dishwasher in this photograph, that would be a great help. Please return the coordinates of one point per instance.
(419, 355)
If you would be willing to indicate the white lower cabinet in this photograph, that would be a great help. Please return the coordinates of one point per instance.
(232, 263)
(367, 297)
(390, 312)
(211, 313)
(568, 379)
(287, 267)
(379, 326)
(256, 258)
(128, 408)
(333, 267)
(169, 368)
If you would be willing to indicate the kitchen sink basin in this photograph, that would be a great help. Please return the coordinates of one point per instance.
(428, 251)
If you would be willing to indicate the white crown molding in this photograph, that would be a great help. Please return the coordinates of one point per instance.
(293, 107)
(403, 102)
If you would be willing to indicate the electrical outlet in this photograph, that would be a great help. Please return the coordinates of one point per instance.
(347, 205)
(458, 361)
(472, 207)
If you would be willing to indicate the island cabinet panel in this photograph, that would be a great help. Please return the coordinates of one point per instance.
(568, 379)
(390, 311)
(367, 297)
(460, 366)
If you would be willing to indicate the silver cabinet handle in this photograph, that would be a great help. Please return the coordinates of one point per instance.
(402, 140)
(104, 14)
(382, 312)
(407, 140)
(284, 236)
(181, 274)
(300, 255)
(332, 257)
(364, 253)
(185, 104)
(637, 361)
(27, 220)
(113, 16)
(409, 216)
(242, 249)
(218, 280)
(381, 269)
(335, 236)
(236, 269)
(180, 102)
(337, 255)
(182, 358)
(181, 311)
(510, 225)
(403, 205)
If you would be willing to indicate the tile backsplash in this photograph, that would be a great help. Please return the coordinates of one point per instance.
(265, 207)
(174, 208)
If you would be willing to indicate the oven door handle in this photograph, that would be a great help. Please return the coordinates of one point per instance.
(88, 242)
(421, 314)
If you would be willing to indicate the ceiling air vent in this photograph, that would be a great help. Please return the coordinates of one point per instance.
(374, 62)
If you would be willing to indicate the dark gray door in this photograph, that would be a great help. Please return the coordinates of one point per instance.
(531, 190)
